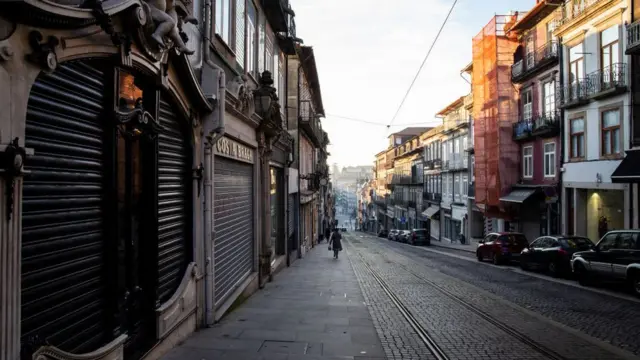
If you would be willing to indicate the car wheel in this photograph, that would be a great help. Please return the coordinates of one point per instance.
(479, 256)
(524, 265)
(553, 269)
(634, 279)
(582, 275)
(496, 259)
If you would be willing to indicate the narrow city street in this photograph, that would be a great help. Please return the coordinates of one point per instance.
(422, 304)
(469, 310)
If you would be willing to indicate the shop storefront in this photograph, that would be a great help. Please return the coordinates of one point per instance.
(596, 211)
(458, 217)
(276, 211)
(99, 223)
(233, 213)
(433, 215)
(390, 218)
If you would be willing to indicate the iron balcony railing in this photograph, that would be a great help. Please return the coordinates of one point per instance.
(538, 124)
(633, 37)
(468, 101)
(455, 120)
(401, 179)
(428, 165)
(573, 9)
(310, 123)
(596, 84)
(544, 55)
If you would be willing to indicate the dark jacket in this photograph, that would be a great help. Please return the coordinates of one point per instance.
(336, 240)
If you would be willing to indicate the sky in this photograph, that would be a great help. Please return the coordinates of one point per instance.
(367, 53)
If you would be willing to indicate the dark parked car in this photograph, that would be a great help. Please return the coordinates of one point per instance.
(419, 237)
(553, 253)
(501, 247)
(616, 257)
(392, 234)
(403, 236)
(383, 233)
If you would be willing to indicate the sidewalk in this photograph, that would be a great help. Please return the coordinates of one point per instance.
(312, 310)
(470, 247)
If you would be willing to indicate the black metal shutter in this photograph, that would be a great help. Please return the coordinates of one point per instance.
(174, 184)
(233, 214)
(292, 214)
(63, 288)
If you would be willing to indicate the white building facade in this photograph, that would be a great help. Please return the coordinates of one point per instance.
(595, 99)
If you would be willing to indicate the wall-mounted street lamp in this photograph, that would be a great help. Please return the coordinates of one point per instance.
(265, 97)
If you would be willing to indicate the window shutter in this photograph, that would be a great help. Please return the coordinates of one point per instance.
(269, 50)
(240, 38)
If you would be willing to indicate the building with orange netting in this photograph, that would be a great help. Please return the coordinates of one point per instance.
(495, 110)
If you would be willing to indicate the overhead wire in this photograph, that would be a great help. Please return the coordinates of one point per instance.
(422, 65)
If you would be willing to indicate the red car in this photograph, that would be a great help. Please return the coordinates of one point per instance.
(501, 247)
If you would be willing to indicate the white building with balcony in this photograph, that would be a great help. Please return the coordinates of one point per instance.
(595, 99)
(455, 171)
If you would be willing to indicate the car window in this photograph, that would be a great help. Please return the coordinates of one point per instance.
(626, 241)
(491, 237)
(553, 242)
(536, 243)
(579, 243)
(608, 242)
(420, 232)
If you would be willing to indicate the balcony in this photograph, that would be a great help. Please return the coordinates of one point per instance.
(469, 146)
(468, 101)
(455, 121)
(428, 165)
(434, 197)
(399, 179)
(633, 38)
(544, 125)
(535, 62)
(575, 11)
(610, 81)
(411, 204)
(309, 123)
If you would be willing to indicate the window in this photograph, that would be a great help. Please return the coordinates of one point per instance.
(456, 188)
(252, 48)
(262, 46)
(269, 51)
(530, 51)
(527, 105)
(223, 20)
(577, 138)
(611, 132)
(550, 159)
(465, 186)
(549, 93)
(609, 53)
(576, 69)
(239, 38)
(551, 26)
(527, 161)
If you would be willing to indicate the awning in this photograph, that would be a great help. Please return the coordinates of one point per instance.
(518, 195)
(431, 211)
(629, 169)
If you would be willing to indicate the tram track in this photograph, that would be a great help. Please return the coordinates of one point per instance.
(423, 334)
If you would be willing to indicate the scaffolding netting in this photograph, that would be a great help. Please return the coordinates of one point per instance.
(495, 110)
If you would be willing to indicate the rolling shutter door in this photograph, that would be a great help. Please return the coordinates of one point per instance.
(174, 186)
(292, 214)
(233, 213)
(63, 288)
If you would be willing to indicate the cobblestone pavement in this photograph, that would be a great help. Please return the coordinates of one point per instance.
(520, 302)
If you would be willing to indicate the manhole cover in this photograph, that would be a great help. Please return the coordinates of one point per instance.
(284, 347)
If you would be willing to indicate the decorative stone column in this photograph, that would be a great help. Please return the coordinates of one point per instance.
(11, 159)
(269, 132)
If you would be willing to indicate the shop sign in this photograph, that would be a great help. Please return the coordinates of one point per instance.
(390, 213)
(233, 149)
(458, 213)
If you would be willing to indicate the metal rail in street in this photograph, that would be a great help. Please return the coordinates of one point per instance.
(551, 354)
(435, 350)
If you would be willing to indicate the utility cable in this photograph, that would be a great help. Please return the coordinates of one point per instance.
(423, 62)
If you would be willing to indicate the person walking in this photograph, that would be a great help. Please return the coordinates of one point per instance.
(335, 242)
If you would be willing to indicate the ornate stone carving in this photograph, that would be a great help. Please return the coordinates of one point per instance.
(163, 32)
(44, 54)
(136, 122)
(241, 89)
(182, 304)
(112, 351)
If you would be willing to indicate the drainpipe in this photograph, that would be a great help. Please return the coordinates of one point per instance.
(300, 235)
(211, 139)
(560, 207)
